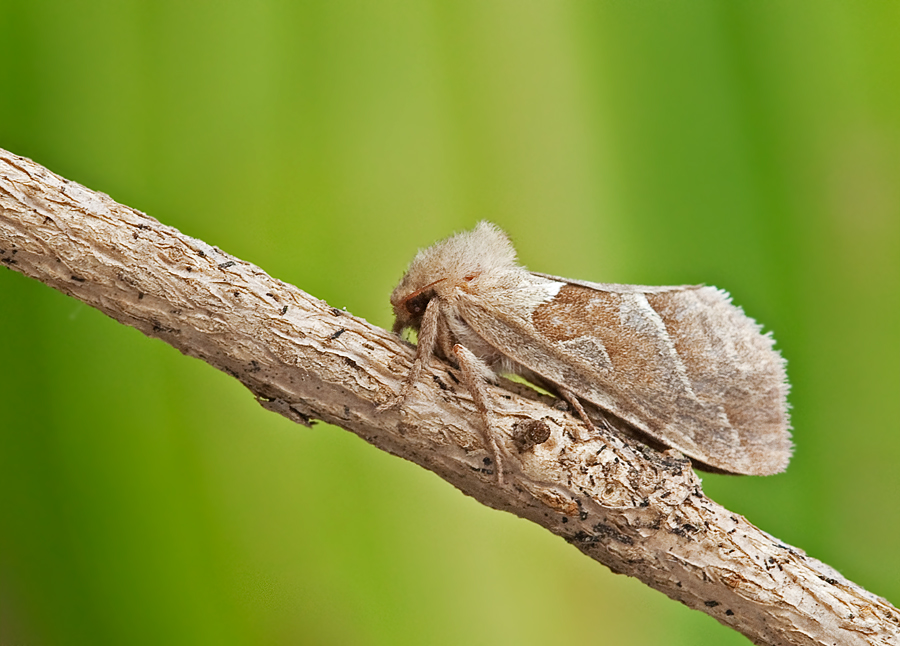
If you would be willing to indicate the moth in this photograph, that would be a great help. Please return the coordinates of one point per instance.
(681, 365)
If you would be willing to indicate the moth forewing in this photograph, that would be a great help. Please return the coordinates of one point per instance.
(679, 364)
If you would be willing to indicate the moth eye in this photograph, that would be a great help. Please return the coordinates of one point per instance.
(416, 305)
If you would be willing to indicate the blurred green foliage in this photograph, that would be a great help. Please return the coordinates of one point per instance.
(146, 499)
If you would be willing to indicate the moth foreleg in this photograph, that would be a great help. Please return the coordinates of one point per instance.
(474, 377)
(428, 332)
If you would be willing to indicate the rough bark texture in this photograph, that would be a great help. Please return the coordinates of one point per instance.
(636, 511)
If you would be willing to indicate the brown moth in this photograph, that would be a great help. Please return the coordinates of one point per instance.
(681, 365)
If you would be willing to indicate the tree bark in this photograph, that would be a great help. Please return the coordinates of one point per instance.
(638, 512)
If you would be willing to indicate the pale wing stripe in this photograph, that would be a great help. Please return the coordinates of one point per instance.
(641, 304)
(592, 350)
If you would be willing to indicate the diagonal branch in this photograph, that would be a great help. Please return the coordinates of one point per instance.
(637, 511)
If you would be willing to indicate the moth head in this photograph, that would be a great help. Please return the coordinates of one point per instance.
(410, 309)
(461, 262)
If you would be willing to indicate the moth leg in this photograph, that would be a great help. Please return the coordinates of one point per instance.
(445, 341)
(428, 332)
(474, 373)
(573, 401)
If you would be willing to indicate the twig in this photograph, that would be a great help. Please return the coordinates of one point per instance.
(637, 511)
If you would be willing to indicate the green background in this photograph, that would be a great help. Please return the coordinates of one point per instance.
(146, 499)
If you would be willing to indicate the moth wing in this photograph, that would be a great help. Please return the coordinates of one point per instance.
(681, 364)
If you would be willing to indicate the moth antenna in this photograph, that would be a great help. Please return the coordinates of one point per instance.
(421, 290)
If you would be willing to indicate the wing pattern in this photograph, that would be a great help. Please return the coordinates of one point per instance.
(682, 364)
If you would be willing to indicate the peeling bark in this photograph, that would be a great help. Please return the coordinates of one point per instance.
(637, 511)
